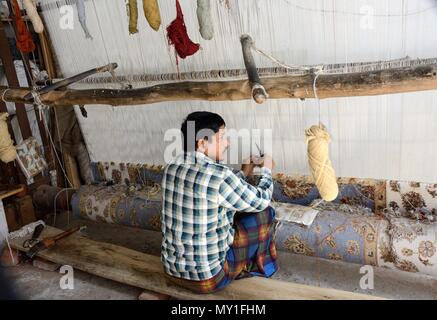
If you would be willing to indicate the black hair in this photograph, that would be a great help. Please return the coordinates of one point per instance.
(203, 121)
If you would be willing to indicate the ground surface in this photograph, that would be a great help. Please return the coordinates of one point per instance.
(33, 283)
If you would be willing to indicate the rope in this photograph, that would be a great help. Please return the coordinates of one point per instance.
(317, 73)
(60, 146)
(54, 205)
(3, 95)
(275, 60)
(54, 149)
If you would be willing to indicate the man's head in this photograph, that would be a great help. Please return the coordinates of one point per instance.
(205, 132)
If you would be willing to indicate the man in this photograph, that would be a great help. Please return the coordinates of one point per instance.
(206, 243)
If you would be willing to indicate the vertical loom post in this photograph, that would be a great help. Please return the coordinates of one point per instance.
(11, 76)
(259, 93)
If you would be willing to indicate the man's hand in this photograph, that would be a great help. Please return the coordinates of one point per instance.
(254, 161)
(266, 161)
(248, 166)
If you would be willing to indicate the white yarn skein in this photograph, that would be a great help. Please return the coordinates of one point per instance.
(205, 20)
(33, 15)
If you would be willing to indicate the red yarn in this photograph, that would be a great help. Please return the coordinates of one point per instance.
(177, 36)
(24, 39)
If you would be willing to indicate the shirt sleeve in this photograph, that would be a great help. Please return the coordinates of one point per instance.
(235, 193)
(240, 174)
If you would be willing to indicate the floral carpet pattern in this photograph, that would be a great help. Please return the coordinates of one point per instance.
(129, 194)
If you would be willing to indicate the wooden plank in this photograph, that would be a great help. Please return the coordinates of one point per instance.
(11, 76)
(145, 271)
(380, 82)
(7, 191)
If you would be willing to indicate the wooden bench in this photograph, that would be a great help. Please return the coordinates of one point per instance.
(145, 271)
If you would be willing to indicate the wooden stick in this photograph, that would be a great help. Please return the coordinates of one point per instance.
(65, 82)
(259, 93)
(370, 83)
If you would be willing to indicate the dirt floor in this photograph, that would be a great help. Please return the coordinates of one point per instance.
(34, 283)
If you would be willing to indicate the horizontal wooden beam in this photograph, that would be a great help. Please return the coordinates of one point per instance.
(381, 82)
(145, 271)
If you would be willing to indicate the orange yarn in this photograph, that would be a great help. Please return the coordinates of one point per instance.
(24, 38)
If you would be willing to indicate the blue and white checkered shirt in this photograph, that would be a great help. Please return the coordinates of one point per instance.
(200, 199)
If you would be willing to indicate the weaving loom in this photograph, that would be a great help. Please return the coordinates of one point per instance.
(350, 134)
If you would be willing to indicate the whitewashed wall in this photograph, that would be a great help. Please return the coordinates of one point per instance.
(391, 137)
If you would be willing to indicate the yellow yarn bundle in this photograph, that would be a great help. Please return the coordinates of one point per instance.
(317, 139)
(33, 15)
(132, 10)
(7, 150)
(151, 12)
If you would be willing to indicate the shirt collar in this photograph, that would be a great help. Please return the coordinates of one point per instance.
(200, 157)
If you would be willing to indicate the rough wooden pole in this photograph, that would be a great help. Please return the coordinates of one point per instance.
(370, 83)
(259, 93)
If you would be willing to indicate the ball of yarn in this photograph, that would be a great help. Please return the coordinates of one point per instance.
(8, 152)
(317, 139)
(205, 20)
(151, 12)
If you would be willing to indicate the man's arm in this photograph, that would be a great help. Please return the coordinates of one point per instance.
(235, 193)
(240, 174)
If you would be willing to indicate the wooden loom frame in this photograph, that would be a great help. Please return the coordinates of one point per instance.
(329, 85)
(409, 79)
(418, 77)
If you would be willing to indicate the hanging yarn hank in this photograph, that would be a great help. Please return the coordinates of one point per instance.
(152, 14)
(177, 35)
(132, 12)
(80, 4)
(24, 38)
(205, 20)
(33, 15)
(8, 152)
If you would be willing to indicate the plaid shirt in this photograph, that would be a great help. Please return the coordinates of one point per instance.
(200, 198)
